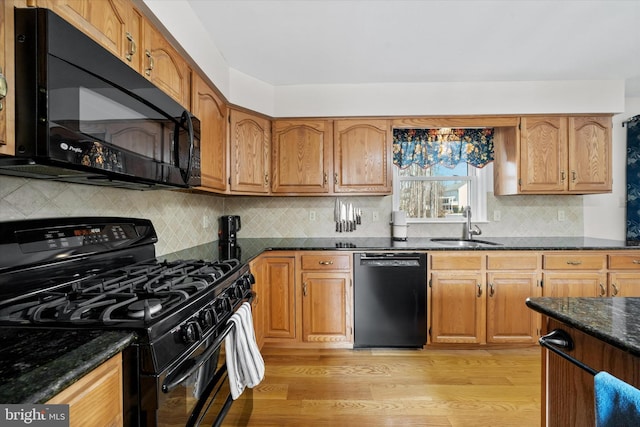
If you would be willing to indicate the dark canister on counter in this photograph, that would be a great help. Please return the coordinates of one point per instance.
(229, 227)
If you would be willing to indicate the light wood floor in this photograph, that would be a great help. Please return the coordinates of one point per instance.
(399, 388)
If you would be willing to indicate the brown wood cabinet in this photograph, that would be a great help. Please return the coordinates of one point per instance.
(362, 156)
(95, 399)
(278, 274)
(307, 299)
(479, 297)
(327, 298)
(574, 274)
(114, 24)
(212, 111)
(554, 155)
(458, 298)
(624, 275)
(511, 279)
(7, 105)
(164, 66)
(257, 305)
(302, 156)
(250, 147)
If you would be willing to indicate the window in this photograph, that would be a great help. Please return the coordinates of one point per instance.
(438, 194)
(434, 176)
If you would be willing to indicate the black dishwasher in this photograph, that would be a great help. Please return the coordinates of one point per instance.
(390, 300)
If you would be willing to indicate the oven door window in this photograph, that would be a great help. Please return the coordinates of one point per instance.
(204, 398)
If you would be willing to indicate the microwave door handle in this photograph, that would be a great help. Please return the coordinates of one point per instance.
(186, 174)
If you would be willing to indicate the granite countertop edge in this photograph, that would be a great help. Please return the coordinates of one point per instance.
(597, 317)
(53, 374)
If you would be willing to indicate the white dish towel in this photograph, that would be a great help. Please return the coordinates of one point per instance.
(245, 365)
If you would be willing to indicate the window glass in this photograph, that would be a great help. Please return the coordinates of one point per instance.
(438, 193)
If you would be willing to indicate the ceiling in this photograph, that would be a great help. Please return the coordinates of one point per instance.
(291, 42)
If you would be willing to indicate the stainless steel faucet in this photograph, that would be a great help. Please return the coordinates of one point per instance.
(467, 231)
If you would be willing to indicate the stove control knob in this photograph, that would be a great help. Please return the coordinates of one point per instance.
(191, 332)
(206, 318)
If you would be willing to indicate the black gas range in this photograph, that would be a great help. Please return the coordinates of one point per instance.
(102, 273)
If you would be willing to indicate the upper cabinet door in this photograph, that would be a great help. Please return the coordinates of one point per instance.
(164, 66)
(115, 24)
(301, 156)
(590, 154)
(250, 140)
(543, 154)
(211, 110)
(362, 156)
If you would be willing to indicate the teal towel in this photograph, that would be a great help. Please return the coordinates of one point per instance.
(617, 403)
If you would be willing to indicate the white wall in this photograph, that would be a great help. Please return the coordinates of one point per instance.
(450, 98)
(604, 214)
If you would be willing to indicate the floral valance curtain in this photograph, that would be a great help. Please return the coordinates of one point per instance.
(428, 147)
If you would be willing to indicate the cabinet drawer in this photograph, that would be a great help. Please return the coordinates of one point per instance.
(326, 262)
(456, 262)
(624, 262)
(576, 261)
(515, 261)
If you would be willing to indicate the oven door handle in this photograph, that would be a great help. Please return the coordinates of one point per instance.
(177, 376)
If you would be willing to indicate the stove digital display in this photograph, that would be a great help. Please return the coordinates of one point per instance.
(73, 237)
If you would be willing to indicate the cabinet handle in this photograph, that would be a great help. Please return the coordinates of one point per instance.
(479, 290)
(563, 175)
(573, 176)
(636, 261)
(492, 290)
(615, 289)
(304, 289)
(335, 178)
(574, 262)
(147, 70)
(132, 46)
(3, 88)
(326, 178)
(266, 179)
(603, 291)
(325, 262)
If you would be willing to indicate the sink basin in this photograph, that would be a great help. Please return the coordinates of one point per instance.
(452, 241)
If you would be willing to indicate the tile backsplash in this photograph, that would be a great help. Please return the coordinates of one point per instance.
(178, 217)
(184, 219)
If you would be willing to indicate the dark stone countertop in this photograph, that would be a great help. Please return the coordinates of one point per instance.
(36, 364)
(247, 249)
(612, 320)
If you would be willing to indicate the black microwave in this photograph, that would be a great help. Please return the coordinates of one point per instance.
(84, 116)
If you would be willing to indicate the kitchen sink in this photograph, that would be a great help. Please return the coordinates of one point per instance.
(467, 243)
